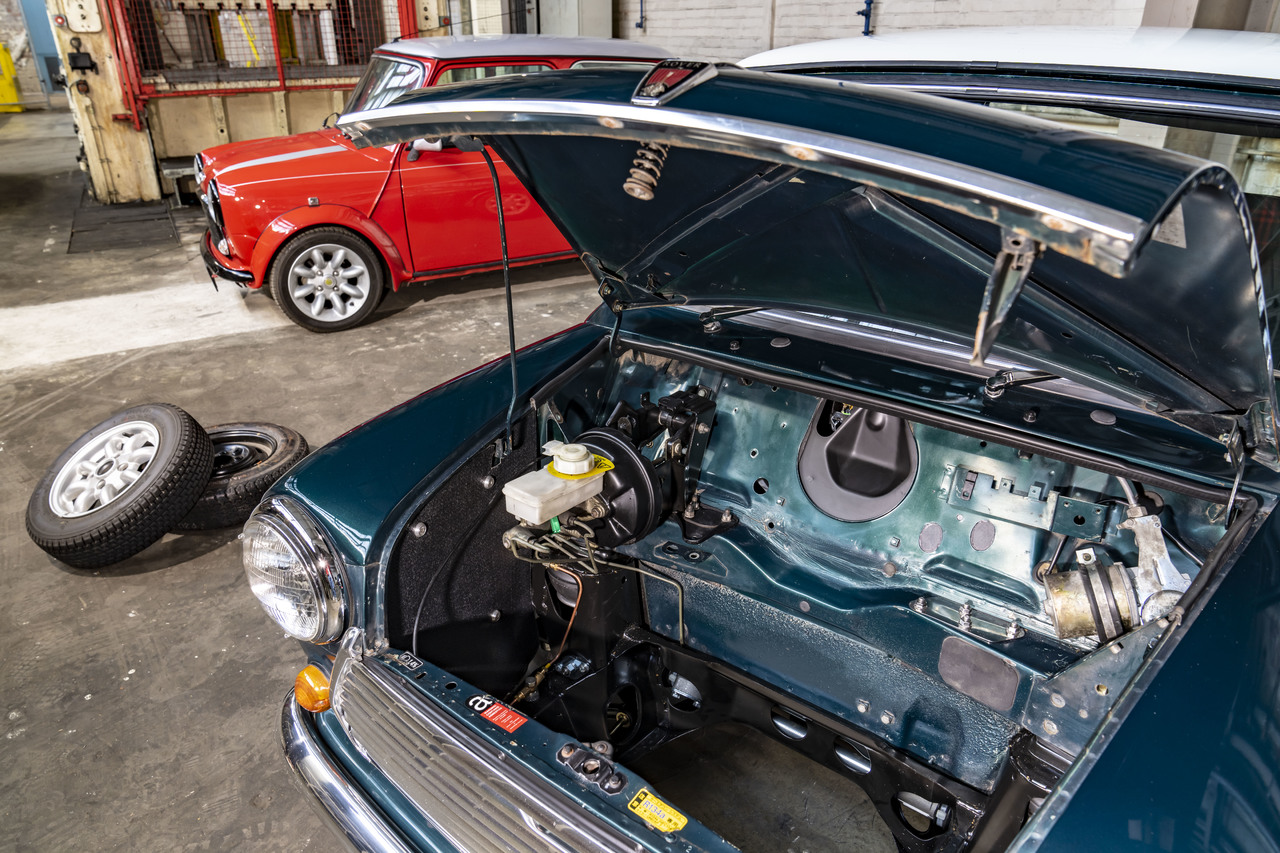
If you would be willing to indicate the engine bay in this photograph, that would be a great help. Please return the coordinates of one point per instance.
(941, 618)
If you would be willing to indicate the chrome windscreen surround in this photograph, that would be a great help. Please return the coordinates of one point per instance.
(462, 787)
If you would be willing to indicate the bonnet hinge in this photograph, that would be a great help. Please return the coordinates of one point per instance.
(1008, 276)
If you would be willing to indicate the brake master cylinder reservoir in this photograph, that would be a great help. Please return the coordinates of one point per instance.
(573, 476)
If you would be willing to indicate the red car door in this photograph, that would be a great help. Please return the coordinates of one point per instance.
(449, 208)
(452, 218)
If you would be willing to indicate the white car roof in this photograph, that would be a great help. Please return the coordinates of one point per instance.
(482, 46)
(1207, 52)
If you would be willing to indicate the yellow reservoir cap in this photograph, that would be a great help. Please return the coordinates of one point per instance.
(311, 689)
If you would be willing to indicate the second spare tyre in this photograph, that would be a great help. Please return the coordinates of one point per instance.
(247, 459)
(121, 486)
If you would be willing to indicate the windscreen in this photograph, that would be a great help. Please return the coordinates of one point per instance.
(383, 81)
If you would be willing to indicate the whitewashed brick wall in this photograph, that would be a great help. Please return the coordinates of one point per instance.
(732, 29)
(715, 29)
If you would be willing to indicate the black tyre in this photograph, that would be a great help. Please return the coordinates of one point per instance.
(121, 486)
(247, 459)
(327, 279)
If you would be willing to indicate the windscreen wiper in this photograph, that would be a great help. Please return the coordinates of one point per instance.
(710, 320)
(1006, 379)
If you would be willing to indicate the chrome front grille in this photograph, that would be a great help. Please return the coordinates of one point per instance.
(461, 787)
(212, 204)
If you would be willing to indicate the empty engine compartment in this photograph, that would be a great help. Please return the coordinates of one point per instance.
(943, 619)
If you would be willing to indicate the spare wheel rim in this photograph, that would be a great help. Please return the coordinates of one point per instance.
(104, 469)
(238, 450)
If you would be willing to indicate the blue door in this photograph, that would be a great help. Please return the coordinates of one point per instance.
(43, 48)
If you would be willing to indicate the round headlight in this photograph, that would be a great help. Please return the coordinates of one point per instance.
(293, 573)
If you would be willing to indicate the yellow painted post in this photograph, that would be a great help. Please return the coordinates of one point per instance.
(10, 97)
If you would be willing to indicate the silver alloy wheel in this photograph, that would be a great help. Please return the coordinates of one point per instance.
(329, 282)
(104, 469)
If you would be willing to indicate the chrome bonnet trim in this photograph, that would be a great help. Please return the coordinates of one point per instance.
(1082, 99)
(349, 811)
(1093, 233)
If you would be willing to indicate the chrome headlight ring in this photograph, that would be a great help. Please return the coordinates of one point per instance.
(294, 571)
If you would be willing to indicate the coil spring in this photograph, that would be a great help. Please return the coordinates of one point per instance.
(646, 169)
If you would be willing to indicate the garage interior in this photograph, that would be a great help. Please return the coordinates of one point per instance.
(141, 702)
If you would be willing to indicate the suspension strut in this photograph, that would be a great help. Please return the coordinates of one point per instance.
(646, 169)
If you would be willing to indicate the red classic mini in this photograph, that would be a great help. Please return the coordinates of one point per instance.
(326, 228)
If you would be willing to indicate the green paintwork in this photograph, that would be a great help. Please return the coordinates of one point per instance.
(754, 220)
(355, 484)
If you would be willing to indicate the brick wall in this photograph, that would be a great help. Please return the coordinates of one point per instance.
(733, 29)
(714, 29)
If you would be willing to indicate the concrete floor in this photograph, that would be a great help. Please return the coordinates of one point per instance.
(141, 703)
(764, 797)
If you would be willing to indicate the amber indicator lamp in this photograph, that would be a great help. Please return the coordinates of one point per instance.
(311, 689)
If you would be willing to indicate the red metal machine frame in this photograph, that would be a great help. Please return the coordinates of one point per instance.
(136, 92)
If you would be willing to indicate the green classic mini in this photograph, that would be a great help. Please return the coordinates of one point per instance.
(912, 486)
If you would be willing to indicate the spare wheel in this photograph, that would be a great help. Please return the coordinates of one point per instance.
(121, 486)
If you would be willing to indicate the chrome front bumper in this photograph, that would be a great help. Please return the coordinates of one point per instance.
(345, 805)
(216, 267)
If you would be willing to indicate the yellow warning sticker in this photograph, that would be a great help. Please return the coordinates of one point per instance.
(656, 813)
(601, 466)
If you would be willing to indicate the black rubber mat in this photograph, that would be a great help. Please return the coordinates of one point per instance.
(120, 226)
